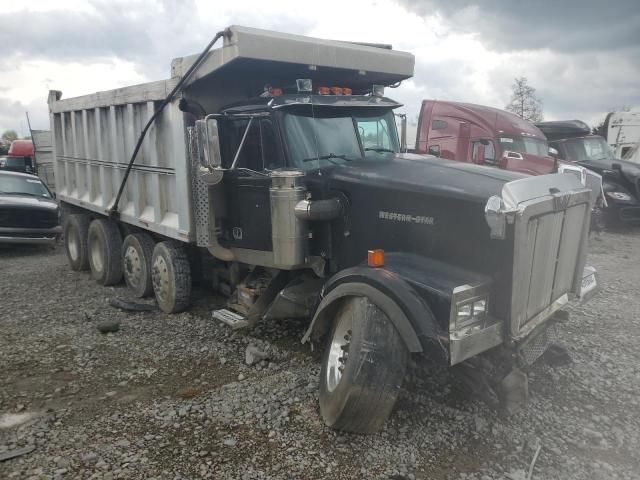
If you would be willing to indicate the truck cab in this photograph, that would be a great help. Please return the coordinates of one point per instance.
(19, 158)
(575, 143)
(482, 135)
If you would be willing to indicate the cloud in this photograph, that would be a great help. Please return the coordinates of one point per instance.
(568, 26)
(582, 58)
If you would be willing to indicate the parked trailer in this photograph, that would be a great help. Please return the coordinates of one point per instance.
(275, 170)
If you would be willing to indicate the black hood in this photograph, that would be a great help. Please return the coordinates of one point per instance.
(426, 174)
(27, 201)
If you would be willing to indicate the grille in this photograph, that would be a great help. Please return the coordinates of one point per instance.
(548, 249)
(27, 218)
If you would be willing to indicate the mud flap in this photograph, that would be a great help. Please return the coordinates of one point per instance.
(513, 391)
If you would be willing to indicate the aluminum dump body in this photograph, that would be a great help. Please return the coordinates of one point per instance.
(94, 135)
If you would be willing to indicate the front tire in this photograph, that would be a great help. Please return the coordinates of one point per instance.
(105, 252)
(171, 277)
(362, 369)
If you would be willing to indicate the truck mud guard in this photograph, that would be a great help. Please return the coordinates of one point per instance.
(411, 316)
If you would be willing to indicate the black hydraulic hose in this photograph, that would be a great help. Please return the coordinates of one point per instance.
(113, 211)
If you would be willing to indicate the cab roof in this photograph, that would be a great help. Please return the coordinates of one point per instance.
(498, 121)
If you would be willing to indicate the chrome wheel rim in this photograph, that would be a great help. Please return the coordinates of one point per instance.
(73, 245)
(133, 266)
(96, 255)
(338, 352)
(160, 278)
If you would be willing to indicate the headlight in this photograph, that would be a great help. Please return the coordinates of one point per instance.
(471, 312)
(625, 197)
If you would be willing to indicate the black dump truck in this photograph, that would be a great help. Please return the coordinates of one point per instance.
(272, 166)
(620, 178)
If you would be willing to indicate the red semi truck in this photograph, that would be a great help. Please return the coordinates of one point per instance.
(482, 135)
(489, 136)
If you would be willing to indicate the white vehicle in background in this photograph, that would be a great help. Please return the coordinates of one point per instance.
(623, 134)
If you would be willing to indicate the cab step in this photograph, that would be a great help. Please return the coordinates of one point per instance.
(233, 319)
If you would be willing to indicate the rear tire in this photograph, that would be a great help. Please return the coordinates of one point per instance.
(362, 369)
(137, 252)
(105, 252)
(76, 237)
(171, 277)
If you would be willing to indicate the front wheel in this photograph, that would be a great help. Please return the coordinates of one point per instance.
(363, 368)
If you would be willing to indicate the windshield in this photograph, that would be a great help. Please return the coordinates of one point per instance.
(16, 185)
(336, 136)
(528, 145)
(589, 148)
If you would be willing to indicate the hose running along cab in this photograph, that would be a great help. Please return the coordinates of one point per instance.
(272, 167)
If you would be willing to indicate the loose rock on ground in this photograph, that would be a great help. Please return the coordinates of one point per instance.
(183, 396)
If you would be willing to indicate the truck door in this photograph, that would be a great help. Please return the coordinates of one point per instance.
(248, 219)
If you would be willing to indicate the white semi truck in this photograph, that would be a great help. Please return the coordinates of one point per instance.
(272, 165)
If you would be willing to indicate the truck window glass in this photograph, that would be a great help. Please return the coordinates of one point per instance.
(310, 137)
(335, 135)
(439, 125)
(590, 148)
(375, 133)
(528, 145)
(260, 149)
(17, 185)
(489, 152)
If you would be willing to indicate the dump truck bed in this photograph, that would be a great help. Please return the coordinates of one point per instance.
(94, 135)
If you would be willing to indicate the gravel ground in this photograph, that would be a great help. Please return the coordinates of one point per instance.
(171, 396)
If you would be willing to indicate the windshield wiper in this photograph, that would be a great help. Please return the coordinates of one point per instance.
(379, 149)
(329, 157)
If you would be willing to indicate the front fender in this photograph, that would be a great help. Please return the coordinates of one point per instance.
(408, 311)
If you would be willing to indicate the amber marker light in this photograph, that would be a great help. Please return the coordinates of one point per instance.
(375, 258)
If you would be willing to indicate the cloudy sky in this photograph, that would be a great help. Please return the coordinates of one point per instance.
(583, 57)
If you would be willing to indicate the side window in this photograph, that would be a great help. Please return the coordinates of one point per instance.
(439, 125)
(260, 148)
(374, 134)
(434, 150)
(270, 154)
(489, 151)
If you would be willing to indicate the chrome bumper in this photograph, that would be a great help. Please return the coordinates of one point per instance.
(468, 342)
(31, 236)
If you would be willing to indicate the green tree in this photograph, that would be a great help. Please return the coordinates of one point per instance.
(9, 136)
(524, 101)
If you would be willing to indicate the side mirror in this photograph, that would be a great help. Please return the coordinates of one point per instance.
(553, 152)
(403, 132)
(210, 158)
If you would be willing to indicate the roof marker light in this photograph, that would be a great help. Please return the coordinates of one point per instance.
(347, 91)
(336, 90)
(324, 91)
